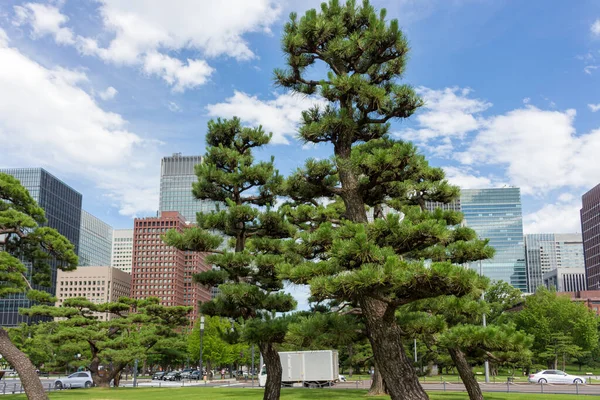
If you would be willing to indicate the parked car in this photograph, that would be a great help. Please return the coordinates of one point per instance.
(555, 376)
(185, 374)
(342, 378)
(82, 379)
(195, 375)
(172, 376)
(159, 375)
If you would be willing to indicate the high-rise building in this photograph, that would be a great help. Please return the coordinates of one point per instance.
(162, 271)
(495, 214)
(95, 241)
(545, 252)
(590, 230)
(97, 284)
(122, 249)
(62, 205)
(177, 174)
(565, 279)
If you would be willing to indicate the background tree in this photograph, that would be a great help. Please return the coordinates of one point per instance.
(249, 287)
(561, 327)
(26, 250)
(139, 326)
(369, 264)
(500, 297)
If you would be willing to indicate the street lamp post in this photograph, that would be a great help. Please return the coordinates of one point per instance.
(201, 337)
(486, 364)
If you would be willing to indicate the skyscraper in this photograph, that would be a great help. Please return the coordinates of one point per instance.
(495, 214)
(122, 249)
(62, 205)
(545, 252)
(590, 230)
(162, 271)
(177, 175)
(95, 241)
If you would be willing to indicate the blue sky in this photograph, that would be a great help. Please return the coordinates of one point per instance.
(98, 91)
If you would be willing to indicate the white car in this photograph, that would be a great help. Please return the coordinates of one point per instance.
(555, 376)
(81, 379)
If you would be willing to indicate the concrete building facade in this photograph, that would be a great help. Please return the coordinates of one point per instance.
(122, 249)
(590, 230)
(62, 205)
(565, 279)
(177, 175)
(98, 284)
(548, 251)
(162, 271)
(95, 241)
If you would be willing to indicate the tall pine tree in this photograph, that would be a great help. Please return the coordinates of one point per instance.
(23, 238)
(374, 265)
(246, 276)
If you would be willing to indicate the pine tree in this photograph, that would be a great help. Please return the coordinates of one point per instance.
(249, 286)
(138, 326)
(22, 238)
(375, 265)
(455, 325)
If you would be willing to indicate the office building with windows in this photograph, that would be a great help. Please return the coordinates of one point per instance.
(62, 205)
(177, 175)
(162, 271)
(590, 231)
(565, 279)
(122, 249)
(98, 284)
(545, 252)
(95, 241)
(495, 214)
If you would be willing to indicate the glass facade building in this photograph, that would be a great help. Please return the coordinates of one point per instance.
(62, 205)
(95, 241)
(495, 214)
(590, 230)
(177, 175)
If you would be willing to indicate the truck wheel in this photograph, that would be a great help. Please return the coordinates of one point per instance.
(313, 385)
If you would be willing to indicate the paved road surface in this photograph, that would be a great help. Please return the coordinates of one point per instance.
(13, 385)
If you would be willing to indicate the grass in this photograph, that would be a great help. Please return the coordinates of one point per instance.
(255, 394)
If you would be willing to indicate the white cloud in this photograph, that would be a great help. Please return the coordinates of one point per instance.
(526, 100)
(595, 28)
(174, 106)
(539, 148)
(109, 93)
(447, 113)
(177, 74)
(589, 69)
(148, 33)
(561, 217)
(47, 120)
(44, 20)
(594, 107)
(3, 38)
(466, 180)
(280, 115)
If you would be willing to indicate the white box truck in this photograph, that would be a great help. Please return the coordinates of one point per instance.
(319, 368)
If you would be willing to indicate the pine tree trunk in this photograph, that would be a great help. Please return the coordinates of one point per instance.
(26, 370)
(466, 374)
(377, 385)
(274, 371)
(402, 382)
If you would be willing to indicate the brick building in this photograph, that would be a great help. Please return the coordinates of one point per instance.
(590, 229)
(97, 284)
(162, 271)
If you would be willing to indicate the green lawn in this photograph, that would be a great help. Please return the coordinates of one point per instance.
(256, 394)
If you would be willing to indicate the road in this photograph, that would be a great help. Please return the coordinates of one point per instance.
(13, 385)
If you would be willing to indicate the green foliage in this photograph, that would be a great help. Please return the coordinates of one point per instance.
(23, 239)
(215, 348)
(501, 296)
(138, 327)
(245, 271)
(559, 325)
